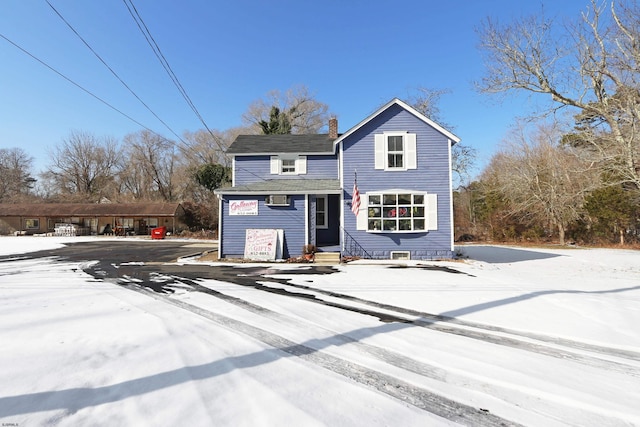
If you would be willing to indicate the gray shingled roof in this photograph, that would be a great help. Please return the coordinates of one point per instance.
(286, 186)
(89, 209)
(275, 144)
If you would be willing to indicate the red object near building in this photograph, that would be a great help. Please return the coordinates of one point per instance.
(158, 232)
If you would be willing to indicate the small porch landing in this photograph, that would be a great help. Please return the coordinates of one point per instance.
(327, 258)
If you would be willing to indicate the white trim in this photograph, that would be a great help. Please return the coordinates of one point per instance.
(306, 219)
(362, 220)
(275, 165)
(411, 151)
(411, 218)
(233, 192)
(341, 200)
(270, 153)
(406, 107)
(380, 151)
(451, 199)
(220, 211)
(324, 197)
(386, 151)
(431, 215)
(299, 165)
(233, 172)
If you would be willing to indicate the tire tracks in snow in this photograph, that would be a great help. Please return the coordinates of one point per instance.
(382, 382)
(163, 285)
(549, 409)
(560, 348)
(437, 322)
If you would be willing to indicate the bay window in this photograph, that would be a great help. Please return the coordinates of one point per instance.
(396, 212)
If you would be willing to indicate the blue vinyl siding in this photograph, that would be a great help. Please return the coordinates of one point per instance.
(431, 176)
(289, 218)
(250, 169)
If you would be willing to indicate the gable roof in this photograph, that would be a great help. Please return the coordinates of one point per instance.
(89, 209)
(276, 144)
(396, 101)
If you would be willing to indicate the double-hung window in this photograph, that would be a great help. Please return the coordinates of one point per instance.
(321, 212)
(395, 151)
(288, 165)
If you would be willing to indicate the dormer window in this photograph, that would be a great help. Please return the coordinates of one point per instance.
(288, 165)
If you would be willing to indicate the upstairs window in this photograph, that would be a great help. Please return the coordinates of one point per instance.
(395, 151)
(288, 165)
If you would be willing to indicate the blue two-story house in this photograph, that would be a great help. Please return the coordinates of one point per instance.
(381, 190)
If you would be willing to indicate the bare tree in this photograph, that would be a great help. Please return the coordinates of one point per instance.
(591, 66)
(303, 111)
(427, 101)
(543, 181)
(84, 165)
(15, 173)
(202, 147)
(463, 157)
(149, 166)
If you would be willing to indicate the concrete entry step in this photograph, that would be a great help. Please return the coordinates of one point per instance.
(327, 258)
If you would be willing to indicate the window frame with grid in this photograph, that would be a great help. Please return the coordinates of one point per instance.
(404, 212)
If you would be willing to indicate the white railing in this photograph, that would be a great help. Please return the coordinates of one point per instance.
(66, 230)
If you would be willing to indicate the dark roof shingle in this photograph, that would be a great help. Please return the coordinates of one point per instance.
(288, 143)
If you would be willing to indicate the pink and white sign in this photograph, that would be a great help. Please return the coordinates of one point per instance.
(263, 244)
(243, 207)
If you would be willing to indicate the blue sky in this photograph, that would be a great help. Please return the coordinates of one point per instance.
(353, 55)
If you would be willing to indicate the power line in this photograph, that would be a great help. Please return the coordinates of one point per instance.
(133, 11)
(112, 71)
(79, 86)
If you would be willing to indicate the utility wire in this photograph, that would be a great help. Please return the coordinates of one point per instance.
(79, 86)
(133, 11)
(112, 71)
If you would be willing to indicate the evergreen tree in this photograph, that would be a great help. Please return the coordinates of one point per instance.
(278, 123)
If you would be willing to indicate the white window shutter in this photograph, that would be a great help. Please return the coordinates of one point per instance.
(411, 151)
(379, 148)
(432, 211)
(363, 212)
(275, 165)
(301, 165)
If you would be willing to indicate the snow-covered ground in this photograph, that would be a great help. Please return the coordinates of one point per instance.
(538, 337)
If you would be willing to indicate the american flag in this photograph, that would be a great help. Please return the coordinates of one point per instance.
(355, 200)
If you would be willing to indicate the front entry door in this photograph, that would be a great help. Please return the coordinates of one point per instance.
(327, 219)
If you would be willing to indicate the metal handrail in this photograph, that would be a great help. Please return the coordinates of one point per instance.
(352, 247)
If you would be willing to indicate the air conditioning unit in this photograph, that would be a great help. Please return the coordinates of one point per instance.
(278, 200)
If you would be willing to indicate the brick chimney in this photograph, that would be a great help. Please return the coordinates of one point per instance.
(333, 128)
